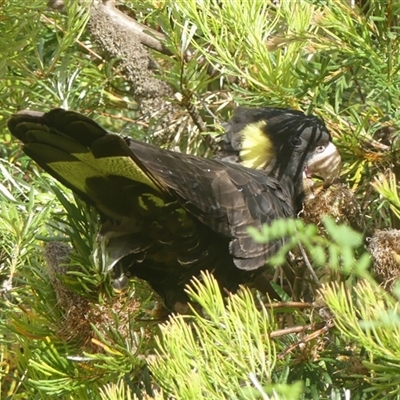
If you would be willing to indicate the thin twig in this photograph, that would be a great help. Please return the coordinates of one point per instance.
(306, 339)
(289, 304)
(296, 329)
(309, 266)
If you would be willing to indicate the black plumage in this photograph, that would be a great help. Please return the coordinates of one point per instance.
(166, 216)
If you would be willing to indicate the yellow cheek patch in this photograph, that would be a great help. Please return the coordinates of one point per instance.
(257, 148)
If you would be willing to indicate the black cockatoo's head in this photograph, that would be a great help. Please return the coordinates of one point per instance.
(281, 141)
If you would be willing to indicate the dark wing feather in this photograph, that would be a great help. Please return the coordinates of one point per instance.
(226, 198)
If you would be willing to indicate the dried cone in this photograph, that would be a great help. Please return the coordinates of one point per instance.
(337, 201)
(384, 246)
